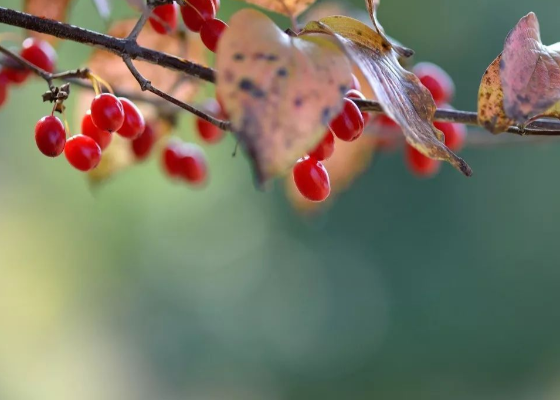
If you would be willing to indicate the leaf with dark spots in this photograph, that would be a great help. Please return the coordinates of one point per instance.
(399, 92)
(280, 101)
(529, 71)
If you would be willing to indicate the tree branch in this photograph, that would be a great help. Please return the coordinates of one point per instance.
(129, 50)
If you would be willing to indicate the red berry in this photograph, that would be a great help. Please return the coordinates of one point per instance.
(356, 94)
(134, 123)
(349, 124)
(37, 52)
(3, 91)
(192, 164)
(312, 179)
(436, 80)
(211, 32)
(107, 112)
(209, 132)
(101, 137)
(356, 84)
(455, 134)
(419, 164)
(50, 136)
(216, 5)
(164, 18)
(171, 157)
(82, 152)
(142, 146)
(325, 149)
(196, 12)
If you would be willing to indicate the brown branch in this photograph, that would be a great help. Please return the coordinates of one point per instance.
(146, 85)
(129, 50)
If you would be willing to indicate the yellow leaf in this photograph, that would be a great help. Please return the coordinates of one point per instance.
(51, 9)
(400, 93)
(280, 92)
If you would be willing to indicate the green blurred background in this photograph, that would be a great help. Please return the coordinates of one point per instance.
(403, 289)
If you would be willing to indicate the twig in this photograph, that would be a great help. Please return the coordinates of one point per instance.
(146, 85)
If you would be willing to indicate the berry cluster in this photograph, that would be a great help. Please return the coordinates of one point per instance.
(441, 86)
(198, 16)
(106, 115)
(35, 51)
(310, 175)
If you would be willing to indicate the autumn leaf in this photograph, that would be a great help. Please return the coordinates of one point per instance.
(291, 8)
(349, 161)
(112, 69)
(279, 91)
(400, 93)
(51, 9)
(530, 72)
(491, 112)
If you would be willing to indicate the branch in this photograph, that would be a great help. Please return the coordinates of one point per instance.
(147, 85)
(129, 50)
(121, 47)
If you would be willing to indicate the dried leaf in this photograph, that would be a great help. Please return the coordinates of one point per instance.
(530, 72)
(491, 112)
(291, 8)
(51, 9)
(111, 68)
(280, 92)
(399, 92)
(348, 162)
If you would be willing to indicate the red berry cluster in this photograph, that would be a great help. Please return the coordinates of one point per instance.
(310, 175)
(106, 115)
(35, 51)
(441, 86)
(198, 16)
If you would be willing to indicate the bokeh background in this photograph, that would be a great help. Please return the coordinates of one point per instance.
(403, 289)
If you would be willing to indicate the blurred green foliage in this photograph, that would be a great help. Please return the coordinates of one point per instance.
(403, 289)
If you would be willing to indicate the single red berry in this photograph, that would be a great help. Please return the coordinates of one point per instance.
(312, 179)
(216, 5)
(134, 123)
(170, 158)
(356, 94)
(419, 164)
(211, 32)
(107, 112)
(82, 152)
(192, 164)
(356, 84)
(455, 134)
(50, 136)
(349, 124)
(195, 12)
(164, 18)
(209, 132)
(37, 52)
(436, 80)
(3, 92)
(143, 145)
(325, 149)
(101, 137)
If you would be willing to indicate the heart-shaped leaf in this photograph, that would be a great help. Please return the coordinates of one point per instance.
(399, 92)
(291, 8)
(279, 91)
(529, 71)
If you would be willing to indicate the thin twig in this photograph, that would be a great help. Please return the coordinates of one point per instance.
(146, 85)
